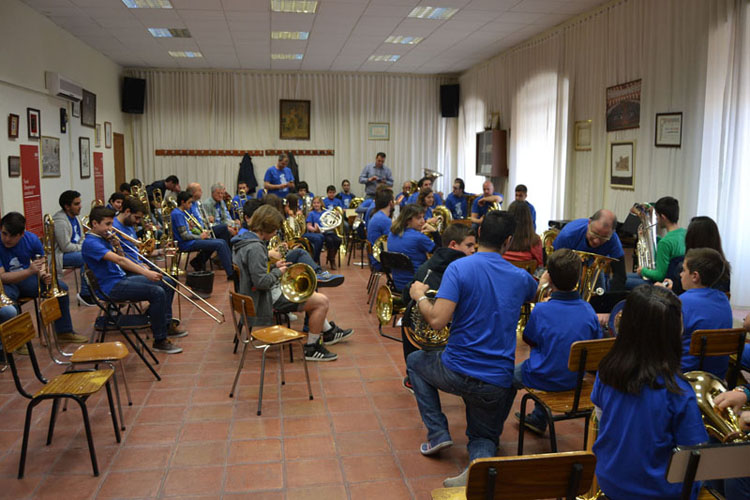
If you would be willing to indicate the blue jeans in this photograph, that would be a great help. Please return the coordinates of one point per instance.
(298, 255)
(538, 416)
(30, 288)
(634, 280)
(75, 259)
(316, 240)
(487, 405)
(158, 295)
(209, 246)
(6, 313)
(222, 232)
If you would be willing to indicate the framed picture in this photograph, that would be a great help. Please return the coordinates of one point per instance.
(622, 165)
(50, 157)
(668, 130)
(624, 106)
(34, 122)
(14, 166)
(13, 121)
(294, 119)
(107, 135)
(88, 109)
(378, 131)
(583, 135)
(75, 109)
(84, 156)
(98, 135)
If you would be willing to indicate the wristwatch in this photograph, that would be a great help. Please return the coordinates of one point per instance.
(745, 389)
(420, 299)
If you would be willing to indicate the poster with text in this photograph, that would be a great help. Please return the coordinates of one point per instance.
(32, 194)
(99, 176)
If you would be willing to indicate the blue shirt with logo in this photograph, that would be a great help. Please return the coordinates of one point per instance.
(481, 210)
(459, 206)
(276, 176)
(414, 245)
(75, 238)
(131, 252)
(107, 273)
(179, 219)
(335, 202)
(19, 257)
(346, 198)
(573, 236)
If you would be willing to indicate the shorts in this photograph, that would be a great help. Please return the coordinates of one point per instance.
(287, 306)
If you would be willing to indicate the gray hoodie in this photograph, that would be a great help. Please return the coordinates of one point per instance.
(250, 254)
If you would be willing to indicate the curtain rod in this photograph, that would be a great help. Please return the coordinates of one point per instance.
(448, 76)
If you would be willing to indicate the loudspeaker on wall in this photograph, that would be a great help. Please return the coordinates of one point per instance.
(449, 100)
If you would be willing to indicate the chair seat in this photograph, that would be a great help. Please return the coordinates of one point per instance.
(562, 401)
(106, 351)
(277, 334)
(705, 494)
(77, 383)
(449, 493)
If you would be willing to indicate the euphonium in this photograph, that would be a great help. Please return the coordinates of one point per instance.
(4, 299)
(646, 246)
(444, 218)
(298, 282)
(723, 426)
(291, 228)
(413, 188)
(592, 266)
(48, 242)
(384, 305)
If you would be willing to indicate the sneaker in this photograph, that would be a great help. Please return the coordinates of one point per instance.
(336, 334)
(326, 279)
(318, 352)
(292, 317)
(407, 384)
(532, 424)
(457, 481)
(72, 338)
(174, 332)
(165, 345)
(430, 448)
(86, 300)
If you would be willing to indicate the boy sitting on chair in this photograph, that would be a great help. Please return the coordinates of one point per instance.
(552, 328)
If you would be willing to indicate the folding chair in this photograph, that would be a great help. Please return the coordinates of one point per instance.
(719, 342)
(263, 339)
(706, 462)
(529, 477)
(391, 261)
(585, 356)
(77, 386)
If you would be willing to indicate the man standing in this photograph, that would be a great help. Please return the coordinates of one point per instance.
(483, 203)
(478, 361)
(374, 174)
(521, 193)
(457, 201)
(69, 240)
(279, 178)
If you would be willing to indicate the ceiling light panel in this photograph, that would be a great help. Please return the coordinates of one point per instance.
(405, 40)
(290, 35)
(183, 53)
(384, 58)
(294, 6)
(287, 57)
(147, 4)
(424, 12)
(169, 32)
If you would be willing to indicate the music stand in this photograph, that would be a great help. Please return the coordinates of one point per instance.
(707, 461)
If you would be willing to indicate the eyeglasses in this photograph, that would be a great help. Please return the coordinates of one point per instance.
(598, 236)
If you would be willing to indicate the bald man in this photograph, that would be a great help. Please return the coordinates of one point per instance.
(596, 235)
(483, 203)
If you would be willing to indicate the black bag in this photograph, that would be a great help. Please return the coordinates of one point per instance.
(201, 282)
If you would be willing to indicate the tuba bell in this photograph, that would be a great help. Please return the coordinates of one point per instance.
(357, 201)
(722, 425)
(432, 174)
(298, 283)
(646, 246)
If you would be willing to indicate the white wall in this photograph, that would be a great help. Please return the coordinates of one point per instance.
(33, 45)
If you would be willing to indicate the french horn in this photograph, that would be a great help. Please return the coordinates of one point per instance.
(379, 246)
(444, 218)
(384, 305)
(298, 282)
(421, 334)
(592, 265)
(330, 220)
(722, 425)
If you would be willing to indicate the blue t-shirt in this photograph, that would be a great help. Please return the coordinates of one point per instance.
(107, 273)
(489, 292)
(413, 244)
(131, 252)
(345, 198)
(704, 309)
(179, 219)
(196, 211)
(404, 200)
(427, 213)
(533, 213)
(573, 236)
(328, 203)
(76, 236)
(553, 326)
(459, 206)
(314, 217)
(636, 437)
(19, 257)
(437, 199)
(276, 176)
(379, 225)
(481, 210)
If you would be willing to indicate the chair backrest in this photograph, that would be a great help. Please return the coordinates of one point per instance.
(594, 351)
(16, 332)
(396, 260)
(720, 342)
(236, 277)
(517, 478)
(49, 311)
(242, 304)
(529, 265)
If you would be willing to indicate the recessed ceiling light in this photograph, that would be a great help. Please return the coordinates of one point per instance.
(432, 12)
(296, 6)
(388, 58)
(287, 56)
(406, 40)
(290, 35)
(147, 4)
(182, 53)
(169, 32)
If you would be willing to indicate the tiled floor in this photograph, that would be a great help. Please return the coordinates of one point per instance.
(185, 437)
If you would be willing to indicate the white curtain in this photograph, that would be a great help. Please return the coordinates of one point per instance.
(240, 110)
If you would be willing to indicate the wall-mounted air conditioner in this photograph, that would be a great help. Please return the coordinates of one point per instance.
(61, 86)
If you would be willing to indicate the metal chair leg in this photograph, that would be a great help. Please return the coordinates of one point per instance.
(52, 419)
(112, 410)
(89, 437)
(281, 362)
(371, 300)
(117, 396)
(522, 423)
(239, 369)
(304, 364)
(262, 377)
(125, 382)
(25, 442)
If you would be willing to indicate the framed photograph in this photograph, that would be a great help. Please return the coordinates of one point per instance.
(75, 109)
(583, 135)
(84, 156)
(668, 130)
(108, 135)
(378, 131)
(88, 109)
(50, 157)
(34, 122)
(13, 121)
(294, 119)
(98, 135)
(622, 165)
(14, 166)
(624, 106)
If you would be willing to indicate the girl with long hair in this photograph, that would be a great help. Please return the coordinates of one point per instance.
(407, 237)
(332, 240)
(526, 244)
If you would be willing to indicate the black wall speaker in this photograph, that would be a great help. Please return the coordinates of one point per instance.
(133, 95)
(449, 101)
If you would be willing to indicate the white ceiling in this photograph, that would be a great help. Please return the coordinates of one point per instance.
(236, 34)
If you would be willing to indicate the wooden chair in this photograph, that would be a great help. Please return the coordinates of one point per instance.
(720, 342)
(530, 267)
(391, 261)
(104, 352)
(77, 386)
(263, 339)
(585, 356)
(551, 475)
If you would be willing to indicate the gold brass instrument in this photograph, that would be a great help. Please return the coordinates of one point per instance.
(384, 305)
(444, 218)
(420, 333)
(4, 299)
(413, 189)
(357, 201)
(158, 197)
(307, 203)
(592, 265)
(243, 196)
(548, 238)
(195, 226)
(292, 229)
(432, 174)
(97, 203)
(379, 246)
(50, 266)
(298, 283)
(330, 220)
(470, 202)
(594, 492)
(722, 425)
(646, 246)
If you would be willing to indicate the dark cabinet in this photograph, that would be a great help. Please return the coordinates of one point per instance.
(492, 153)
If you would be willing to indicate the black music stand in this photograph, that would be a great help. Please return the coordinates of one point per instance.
(707, 461)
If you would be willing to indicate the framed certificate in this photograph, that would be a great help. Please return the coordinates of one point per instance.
(622, 165)
(378, 131)
(668, 130)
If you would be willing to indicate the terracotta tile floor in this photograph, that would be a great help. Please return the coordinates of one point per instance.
(185, 437)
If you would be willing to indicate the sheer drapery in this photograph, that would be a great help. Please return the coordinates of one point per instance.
(240, 110)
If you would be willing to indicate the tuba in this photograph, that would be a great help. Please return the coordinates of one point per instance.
(298, 283)
(646, 246)
(421, 334)
(4, 299)
(723, 426)
(48, 242)
(432, 174)
(444, 218)
(592, 265)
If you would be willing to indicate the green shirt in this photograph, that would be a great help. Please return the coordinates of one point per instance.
(670, 246)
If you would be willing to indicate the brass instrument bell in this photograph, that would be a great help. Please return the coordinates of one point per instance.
(384, 305)
(330, 220)
(380, 246)
(421, 334)
(298, 283)
(722, 425)
(444, 218)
